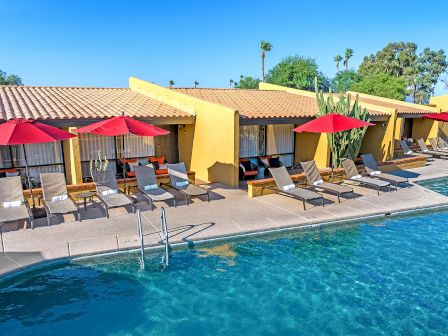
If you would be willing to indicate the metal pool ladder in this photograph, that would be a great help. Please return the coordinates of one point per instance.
(164, 236)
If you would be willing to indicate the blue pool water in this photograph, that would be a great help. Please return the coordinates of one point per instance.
(439, 185)
(387, 277)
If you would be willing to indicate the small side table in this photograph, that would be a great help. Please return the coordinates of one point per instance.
(86, 195)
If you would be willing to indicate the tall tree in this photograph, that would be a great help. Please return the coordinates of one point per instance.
(231, 82)
(383, 85)
(337, 59)
(420, 71)
(427, 70)
(247, 82)
(348, 55)
(344, 80)
(265, 47)
(171, 82)
(196, 83)
(297, 72)
(10, 79)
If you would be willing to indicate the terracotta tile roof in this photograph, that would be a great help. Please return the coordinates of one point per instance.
(39, 102)
(401, 107)
(261, 103)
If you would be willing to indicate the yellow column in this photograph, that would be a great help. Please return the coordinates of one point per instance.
(72, 158)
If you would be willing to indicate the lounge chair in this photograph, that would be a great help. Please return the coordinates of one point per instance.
(442, 143)
(56, 199)
(148, 186)
(372, 169)
(13, 206)
(315, 180)
(287, 187)
(108, 192)
(179, 181)
(435, 146)
(433, 153)
(408, 152)
(353, 175)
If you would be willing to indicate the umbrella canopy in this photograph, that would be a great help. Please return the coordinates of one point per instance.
(443, 116)
(331, 123)
(122, 125)
(21, 132)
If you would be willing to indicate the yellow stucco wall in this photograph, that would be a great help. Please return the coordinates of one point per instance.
(425, 129)
(312, 146)
(72, 158)
(210, 147)
(441, 103)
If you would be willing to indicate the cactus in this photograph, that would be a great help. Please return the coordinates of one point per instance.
(347, 143)
(98, 165)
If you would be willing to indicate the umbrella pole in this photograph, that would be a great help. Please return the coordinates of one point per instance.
(28, 176)
(124, 164)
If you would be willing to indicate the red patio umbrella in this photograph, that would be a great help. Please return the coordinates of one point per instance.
(122, 125)
(22, 132)
(442, 116)
(332, 123)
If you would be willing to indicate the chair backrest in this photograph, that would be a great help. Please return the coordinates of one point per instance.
(105, 181)
(281, 177)
(349, 167)
(369, 163)
(178, 172)
(11, 189)
(53, 184)
(404, 146)
(311, 171)
(422, 145)
(442, 143)
(434, 144)
(145, 176)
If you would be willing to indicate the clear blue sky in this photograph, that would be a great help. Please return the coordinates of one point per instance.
(102, 43)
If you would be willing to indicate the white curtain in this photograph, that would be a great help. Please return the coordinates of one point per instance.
(91, 144)
(249, 141)
(39, 154)
(138, 146)
(280, 139)
(5, 157)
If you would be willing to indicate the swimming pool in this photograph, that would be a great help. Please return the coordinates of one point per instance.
(439, 185)
(381, 277)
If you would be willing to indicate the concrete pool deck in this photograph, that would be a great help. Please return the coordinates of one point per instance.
(230, 213)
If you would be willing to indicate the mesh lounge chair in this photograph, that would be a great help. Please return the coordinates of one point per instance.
(408, 152)
(315, 180)
(287, 187)
(433, 153)
(442, 143)
(56, 199)
(148, 186)
(179, 182)
(435, 146)
(13, 206)
(353, 175)
(372, 169)
(108, 193)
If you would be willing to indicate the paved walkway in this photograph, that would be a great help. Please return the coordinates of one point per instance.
(229, 213)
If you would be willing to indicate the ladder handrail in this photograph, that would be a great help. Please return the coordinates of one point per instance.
(165, 237)
(140, 233)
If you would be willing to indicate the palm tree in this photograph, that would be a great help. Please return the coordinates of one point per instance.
(231, 82)
(171, 82)
(196, 83)
(265, 47)
(337, 59)
(348, 55)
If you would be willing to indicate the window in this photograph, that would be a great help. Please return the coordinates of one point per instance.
(41, 158)
(111, 147)
(252, 141)
(280, 141)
